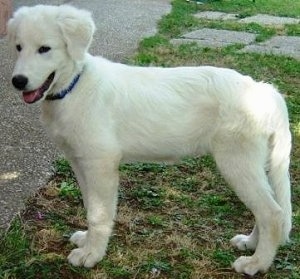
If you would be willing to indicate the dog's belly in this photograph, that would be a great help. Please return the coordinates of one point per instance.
(166, 146)
(166, 138)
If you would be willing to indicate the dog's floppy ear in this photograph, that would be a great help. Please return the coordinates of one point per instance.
(77, 27)
(12, 25)
(15, 21)
(11, 31)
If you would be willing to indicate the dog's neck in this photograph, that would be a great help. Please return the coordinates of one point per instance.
(61, 94)
(66, 83)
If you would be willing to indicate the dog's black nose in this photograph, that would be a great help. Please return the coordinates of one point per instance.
(19, 82)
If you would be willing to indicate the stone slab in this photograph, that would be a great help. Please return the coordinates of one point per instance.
(278, 45)
(216, 38)
(264, 19)
(216, 15)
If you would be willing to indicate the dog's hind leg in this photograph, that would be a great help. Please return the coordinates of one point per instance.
(242, 164)
(246, 242)
(101, 191)
(278, 158)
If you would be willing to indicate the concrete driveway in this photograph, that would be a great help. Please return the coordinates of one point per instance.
(26, 152)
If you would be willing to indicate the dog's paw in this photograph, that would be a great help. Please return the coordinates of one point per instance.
(84, 257)
(79, 238)
(244, 242)
(249, 265)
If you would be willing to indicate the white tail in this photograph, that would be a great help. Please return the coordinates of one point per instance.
(279, 160)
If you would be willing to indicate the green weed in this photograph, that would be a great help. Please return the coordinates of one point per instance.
(62, 167)
(70, 190)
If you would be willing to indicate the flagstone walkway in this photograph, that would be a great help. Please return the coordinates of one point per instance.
(215, 38)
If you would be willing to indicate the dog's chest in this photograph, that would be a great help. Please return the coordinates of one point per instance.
(61, 127)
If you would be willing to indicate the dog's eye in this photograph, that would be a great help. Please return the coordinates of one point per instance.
(19, 48)
(44, 49)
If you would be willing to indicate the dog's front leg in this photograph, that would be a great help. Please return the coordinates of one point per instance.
(100, 195)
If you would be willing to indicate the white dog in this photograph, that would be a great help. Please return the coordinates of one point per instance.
(102, 113)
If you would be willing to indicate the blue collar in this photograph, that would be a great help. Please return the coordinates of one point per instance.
(60, 95)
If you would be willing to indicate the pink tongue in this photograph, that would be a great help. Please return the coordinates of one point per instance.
(31, 96)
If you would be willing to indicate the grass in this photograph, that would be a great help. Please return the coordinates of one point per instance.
(173, 221)
(289, 8)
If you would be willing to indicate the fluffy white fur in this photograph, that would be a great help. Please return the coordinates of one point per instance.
(118, 113)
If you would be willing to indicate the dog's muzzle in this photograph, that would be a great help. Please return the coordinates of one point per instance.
(20, 82)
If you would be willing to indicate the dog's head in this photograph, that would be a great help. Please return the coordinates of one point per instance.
(50, 42)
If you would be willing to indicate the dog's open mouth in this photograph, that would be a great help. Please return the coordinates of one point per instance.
(35, 95)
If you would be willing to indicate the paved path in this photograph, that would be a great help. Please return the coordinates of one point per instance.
(278, 45)
(26, 152)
